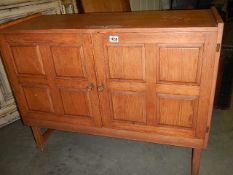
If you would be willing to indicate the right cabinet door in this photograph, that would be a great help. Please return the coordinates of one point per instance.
(158, 82)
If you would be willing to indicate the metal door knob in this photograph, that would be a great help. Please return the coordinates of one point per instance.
(100, 88)
(90, 87)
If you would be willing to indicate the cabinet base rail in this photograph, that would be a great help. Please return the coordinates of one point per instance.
(41, 137)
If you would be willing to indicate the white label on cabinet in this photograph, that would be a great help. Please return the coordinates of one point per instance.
(114, 39)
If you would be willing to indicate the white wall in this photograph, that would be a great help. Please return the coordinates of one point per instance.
(20, 8)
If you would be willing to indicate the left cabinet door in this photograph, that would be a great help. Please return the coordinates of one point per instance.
(53, 78)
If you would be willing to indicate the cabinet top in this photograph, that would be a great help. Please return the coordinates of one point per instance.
(153, 20)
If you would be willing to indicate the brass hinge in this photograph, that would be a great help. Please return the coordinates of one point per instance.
(218, 47)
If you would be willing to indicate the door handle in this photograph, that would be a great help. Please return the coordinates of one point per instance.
(90, 87)
(100, 88)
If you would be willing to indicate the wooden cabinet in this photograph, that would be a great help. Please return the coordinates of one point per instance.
(150, 79)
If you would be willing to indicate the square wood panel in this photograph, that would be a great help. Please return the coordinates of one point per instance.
(176, 110)
(28, 60)
(38, 99)
(181, 65)
(126, 62)
(129, 106)
(68, 61)
(76, 102)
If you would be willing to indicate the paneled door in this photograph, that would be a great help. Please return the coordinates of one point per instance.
(126, 75)
(57, 78)
(152, 82)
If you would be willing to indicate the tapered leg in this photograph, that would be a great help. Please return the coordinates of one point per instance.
(40, 137)
(196, 158)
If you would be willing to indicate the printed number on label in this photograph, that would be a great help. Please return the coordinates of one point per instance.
(113, 39)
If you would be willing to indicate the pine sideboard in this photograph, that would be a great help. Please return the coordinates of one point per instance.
(147, 76)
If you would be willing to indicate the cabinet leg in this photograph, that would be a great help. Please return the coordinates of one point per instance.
(196, 158)
(40, 137)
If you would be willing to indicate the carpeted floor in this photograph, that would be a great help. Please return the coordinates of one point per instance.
(76, 154)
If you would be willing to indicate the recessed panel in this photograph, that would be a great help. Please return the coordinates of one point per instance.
(38, 99)
(176, 111)
(75, 102)
(179, 65)
(126, 62)
(28, 60)
(68, 61)
(129, 106)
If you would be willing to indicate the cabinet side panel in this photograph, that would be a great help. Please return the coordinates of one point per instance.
(215, 74)
(206, 86)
